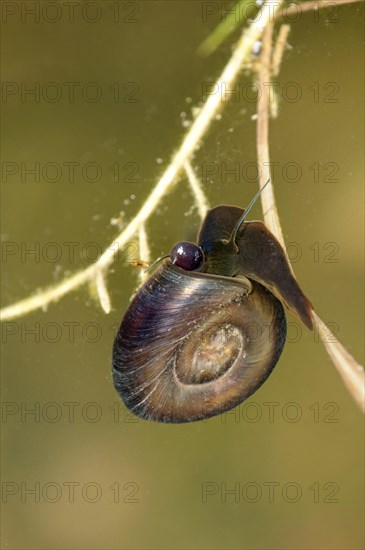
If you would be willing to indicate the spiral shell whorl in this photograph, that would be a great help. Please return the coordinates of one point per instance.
(193, 345)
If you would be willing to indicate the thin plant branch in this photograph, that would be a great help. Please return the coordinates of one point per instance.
(240, 54)
(297, 9)
(277, 57)
(144, 250)
(262, 137)
(351, 372)
(197, 189)
(279, 48)
(102, 291)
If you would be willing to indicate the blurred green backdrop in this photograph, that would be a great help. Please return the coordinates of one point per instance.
(103, 479)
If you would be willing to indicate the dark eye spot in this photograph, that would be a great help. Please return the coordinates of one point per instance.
(188, 256)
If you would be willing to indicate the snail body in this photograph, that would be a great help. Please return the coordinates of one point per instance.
(207, 328)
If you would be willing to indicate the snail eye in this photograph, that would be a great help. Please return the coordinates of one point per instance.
(188, 256)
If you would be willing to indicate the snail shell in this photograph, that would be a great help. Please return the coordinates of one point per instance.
(211, 342)
(195, 343)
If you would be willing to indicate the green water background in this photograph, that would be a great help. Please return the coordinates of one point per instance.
(169, 466)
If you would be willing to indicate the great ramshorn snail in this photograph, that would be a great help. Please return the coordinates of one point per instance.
(207, 328)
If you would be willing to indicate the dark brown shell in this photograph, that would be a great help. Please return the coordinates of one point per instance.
(177, 316)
